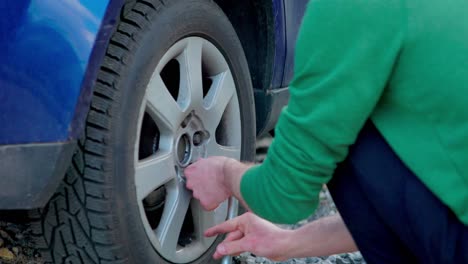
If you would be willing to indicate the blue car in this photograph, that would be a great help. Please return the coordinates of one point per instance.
(103, 103)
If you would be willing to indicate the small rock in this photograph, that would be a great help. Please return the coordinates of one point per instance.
(19, 236)
(311, 260)
(13, 228)
(342, 261)
(6, 254)
(299, 261)
(4, 234)
(250, 261)
(15, 250)
(332, 258)
(356, 258)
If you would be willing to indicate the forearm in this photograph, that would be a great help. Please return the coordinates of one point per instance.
(322, 237)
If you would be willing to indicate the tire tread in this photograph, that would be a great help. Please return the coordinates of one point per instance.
(77, 225)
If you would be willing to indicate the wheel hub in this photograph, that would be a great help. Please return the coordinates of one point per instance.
(190, 141)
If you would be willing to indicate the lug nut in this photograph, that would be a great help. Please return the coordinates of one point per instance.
(197, 138)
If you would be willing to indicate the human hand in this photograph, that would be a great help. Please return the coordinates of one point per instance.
(251, 233)
(207, 181)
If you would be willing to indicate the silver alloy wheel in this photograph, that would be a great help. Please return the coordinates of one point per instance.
(200, 119)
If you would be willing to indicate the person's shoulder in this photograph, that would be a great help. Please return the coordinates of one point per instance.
(359, 14)
(377, 4)
(369, 7)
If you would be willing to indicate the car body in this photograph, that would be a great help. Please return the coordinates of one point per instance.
(50, 54)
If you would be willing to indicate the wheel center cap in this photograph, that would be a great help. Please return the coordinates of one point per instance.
(190, 141)
(183, 148)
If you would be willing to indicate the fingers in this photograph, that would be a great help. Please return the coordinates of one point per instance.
(225, 227)
(208, 207)
(188, 179)
(191, 169)
(231, 248)
(188, 184)
(234, 236)
(188, 171)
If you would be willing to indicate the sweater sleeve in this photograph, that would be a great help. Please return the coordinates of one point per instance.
(345, 54)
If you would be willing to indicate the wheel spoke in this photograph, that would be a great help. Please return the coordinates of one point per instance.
(191, 90)
(203, 220)
(162, 104)
(175, 209)
(152, 173)
(214, 149)
(218, 98)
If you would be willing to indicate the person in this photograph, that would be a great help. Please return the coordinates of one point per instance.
(378, 111)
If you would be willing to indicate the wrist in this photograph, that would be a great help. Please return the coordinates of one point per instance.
(227, 175)
(233, 171)
(285, 244)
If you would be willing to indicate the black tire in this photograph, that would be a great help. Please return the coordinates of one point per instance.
(93, 217)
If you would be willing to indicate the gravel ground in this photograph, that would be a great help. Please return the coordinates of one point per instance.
(16, 245)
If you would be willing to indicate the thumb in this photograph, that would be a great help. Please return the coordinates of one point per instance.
(231, 248)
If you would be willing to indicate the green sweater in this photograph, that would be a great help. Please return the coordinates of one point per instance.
(401, 63)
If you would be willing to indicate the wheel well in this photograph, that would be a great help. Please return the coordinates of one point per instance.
(254, 24)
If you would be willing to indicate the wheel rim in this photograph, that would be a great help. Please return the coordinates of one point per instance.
(190, 110)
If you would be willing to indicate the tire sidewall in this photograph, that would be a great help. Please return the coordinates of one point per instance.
(176, 20)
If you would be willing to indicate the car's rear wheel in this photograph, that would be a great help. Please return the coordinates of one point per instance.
(174, 87)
